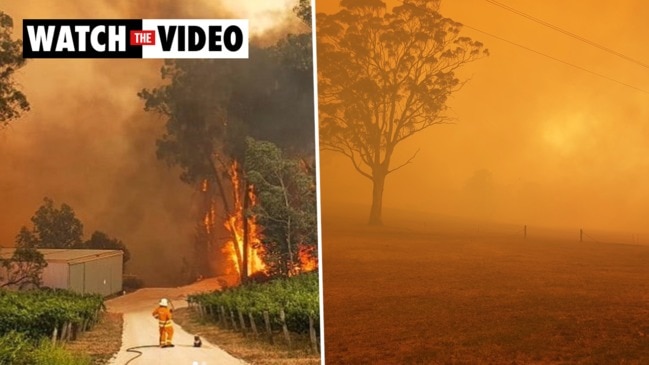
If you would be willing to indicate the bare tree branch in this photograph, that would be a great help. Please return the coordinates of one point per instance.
(405, 163)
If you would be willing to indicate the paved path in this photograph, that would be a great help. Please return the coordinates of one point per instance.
(140, 329)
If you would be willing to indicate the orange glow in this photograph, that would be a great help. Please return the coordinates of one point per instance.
(308, 259)
(255, 263)
(234, 225)
(233, 249)
(210, 214)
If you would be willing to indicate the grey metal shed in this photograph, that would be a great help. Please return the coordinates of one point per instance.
(82, 271)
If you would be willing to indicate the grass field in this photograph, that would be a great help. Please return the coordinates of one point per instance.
(440, 294)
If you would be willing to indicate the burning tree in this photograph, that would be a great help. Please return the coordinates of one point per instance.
(383, 77)
(211, 107)
(286, 209)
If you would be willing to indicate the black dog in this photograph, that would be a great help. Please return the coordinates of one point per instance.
(197, 341)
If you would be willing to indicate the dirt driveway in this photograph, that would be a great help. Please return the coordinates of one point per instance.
(140, 329)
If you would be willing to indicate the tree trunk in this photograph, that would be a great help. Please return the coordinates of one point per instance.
(226, 208)
(246, 234)
(289, 243)
(376, 211)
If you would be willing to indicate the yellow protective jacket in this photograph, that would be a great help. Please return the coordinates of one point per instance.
(163, 315)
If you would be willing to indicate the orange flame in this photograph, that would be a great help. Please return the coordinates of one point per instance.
(233, 248)
(255, 262)
(308, 259)
(234, 224)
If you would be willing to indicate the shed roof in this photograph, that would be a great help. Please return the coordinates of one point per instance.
(67, 255)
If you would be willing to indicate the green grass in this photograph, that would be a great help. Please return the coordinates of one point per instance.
(17, 349)
(425, 296)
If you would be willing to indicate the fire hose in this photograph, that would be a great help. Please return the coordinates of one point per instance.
(138, 353)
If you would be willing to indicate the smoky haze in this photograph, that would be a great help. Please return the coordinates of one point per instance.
(535, 141)
(87, 141)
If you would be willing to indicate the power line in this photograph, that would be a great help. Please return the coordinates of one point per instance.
(558, 60)
(568, 33)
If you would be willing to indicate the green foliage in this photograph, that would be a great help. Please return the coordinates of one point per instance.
(101, 241)
(48, 354)
(286, 205)
(15, 347)
(298, 296)
(36, 313)
(53, 228)
(12, 101)
(18, 349)
(211, 106)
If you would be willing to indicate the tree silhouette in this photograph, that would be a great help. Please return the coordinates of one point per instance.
(385, 75)
(12, 101)
(53, 228)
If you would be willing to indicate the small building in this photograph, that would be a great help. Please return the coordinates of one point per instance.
(82, 271)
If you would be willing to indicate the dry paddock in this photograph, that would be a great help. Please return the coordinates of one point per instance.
(430, 295)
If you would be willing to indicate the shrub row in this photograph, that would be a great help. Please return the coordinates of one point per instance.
(36, 313)
(297, 296)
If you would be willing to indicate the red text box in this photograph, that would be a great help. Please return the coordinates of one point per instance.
(142, 37)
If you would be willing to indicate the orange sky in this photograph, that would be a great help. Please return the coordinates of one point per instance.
(87, 141)
(563, 147)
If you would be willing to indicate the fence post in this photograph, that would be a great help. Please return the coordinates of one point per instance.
(224, 317)
(269, 331)
(581, 235)
(282, 317)
(312, 335)
(243, 323)
(253, 325)
(525, 231)
(234, 323)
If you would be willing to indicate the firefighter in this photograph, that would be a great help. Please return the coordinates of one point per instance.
(163, 315)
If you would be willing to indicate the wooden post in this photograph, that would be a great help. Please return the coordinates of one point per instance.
(253, 325)
(234, 323)
(282, 317)
(55, 334)
(217, 315)
(525, 231)
(243, 323)
(581, 235)
(224, 320)
(64, 331)
(312, 335)
(269, 331)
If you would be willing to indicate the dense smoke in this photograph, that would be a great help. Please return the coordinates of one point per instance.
(535, 141)
(87, 141)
